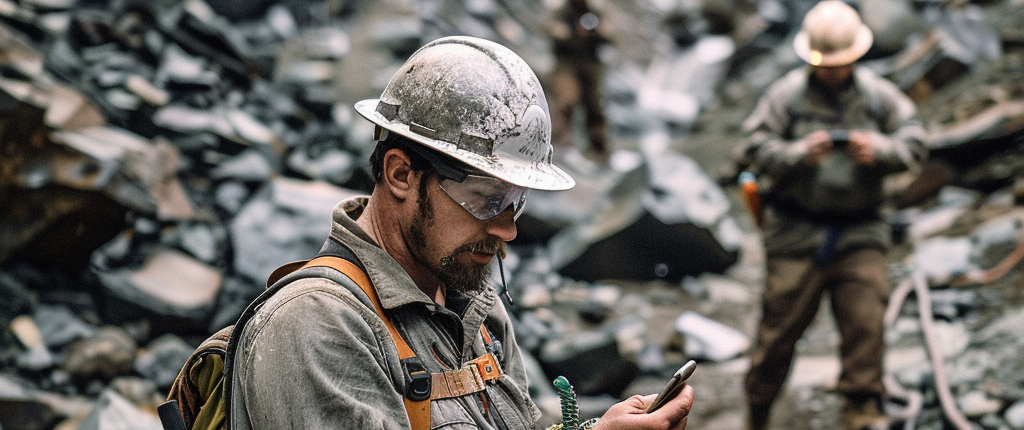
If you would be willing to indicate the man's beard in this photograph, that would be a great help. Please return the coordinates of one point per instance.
(456, 277)
(472, 279)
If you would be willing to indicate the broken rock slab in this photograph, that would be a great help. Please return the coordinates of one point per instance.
(132, 170)
(169, 284)
(36, 356)
(631, 254)
(707, 339)
(590, 361)
(108, 353)
(941, 258)
(548, 212)
(161, 360)
(959, 41)
(678, 85)
(288, 220)
(21, 409)
(691, 223)
(114, 412)
(1014, 415)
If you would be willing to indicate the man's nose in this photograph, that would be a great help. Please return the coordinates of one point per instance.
(503, 225)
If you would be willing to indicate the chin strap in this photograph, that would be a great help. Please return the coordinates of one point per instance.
(504, 286)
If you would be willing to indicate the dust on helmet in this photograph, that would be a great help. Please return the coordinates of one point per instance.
(478, 102)
(832, 35)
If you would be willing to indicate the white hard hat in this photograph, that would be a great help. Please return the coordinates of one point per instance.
(832, 35)
(478, 102)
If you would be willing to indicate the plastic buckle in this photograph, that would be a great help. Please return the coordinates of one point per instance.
(417, 380)
(487, 367)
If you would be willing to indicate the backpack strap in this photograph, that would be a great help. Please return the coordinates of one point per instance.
(418, 410)
(471, 378)
(340, 260)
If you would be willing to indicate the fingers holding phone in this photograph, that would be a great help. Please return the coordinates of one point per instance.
(677, 394)
(677, 397)
(674, 413)
(674, 387)
(669, 409)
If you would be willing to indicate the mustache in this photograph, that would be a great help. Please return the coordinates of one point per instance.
(487, 246)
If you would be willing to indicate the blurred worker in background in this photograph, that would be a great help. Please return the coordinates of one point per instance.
(577, 32)
(823, 138)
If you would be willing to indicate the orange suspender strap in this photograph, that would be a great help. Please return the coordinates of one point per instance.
(486, 335)
(419, 412)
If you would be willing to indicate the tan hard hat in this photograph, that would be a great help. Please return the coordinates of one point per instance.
(832, 35)
(478, 102)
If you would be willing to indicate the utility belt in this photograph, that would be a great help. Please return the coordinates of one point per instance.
(836, 224)
(790, 209)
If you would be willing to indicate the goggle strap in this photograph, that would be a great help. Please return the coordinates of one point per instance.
(443, 167)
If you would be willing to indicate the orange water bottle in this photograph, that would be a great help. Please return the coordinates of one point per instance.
(748, 186)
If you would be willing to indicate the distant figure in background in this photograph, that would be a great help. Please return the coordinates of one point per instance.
(823, 138)
(577, 32)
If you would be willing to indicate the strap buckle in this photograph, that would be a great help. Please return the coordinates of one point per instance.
(487, 367)
(471, 378)
(417, 380)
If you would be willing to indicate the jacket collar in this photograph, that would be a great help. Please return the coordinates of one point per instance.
(394, 286)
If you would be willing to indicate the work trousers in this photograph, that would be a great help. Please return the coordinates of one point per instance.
(857, 285)
(571, 83)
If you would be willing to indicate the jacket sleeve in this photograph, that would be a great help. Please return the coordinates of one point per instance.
(900, 144)
(769, 147)
(311, 361)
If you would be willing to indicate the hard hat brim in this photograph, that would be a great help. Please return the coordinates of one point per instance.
(533, 175)
(861, 44)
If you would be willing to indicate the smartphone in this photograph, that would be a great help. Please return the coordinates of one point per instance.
(674, 387)
(839, 138)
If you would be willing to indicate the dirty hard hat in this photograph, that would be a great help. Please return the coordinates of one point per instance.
(832, 35)
(478, 102)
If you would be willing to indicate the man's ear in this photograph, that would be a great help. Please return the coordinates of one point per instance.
(399, 177)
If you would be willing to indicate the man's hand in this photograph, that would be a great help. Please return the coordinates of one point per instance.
(817, 144)
(861, 147)
(631, 413)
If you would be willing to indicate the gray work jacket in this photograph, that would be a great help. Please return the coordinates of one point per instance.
(315, 357)
(805, 202)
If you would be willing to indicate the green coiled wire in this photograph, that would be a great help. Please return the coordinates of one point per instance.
(570, 408)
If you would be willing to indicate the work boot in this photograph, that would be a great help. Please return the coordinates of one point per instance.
(865, 413)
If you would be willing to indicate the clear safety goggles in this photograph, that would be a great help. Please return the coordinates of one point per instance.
(481, 195)
(485, 196)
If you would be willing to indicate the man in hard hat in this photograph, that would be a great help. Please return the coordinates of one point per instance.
(462, 134)
(577, 33)
(823, 138)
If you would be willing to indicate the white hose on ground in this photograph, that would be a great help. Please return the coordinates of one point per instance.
(919, 285)
(913, 400)
(924, 301)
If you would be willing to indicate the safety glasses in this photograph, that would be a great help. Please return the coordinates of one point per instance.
(484, 196)
(481, 195)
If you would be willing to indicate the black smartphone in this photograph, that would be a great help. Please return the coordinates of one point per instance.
(674, 387)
